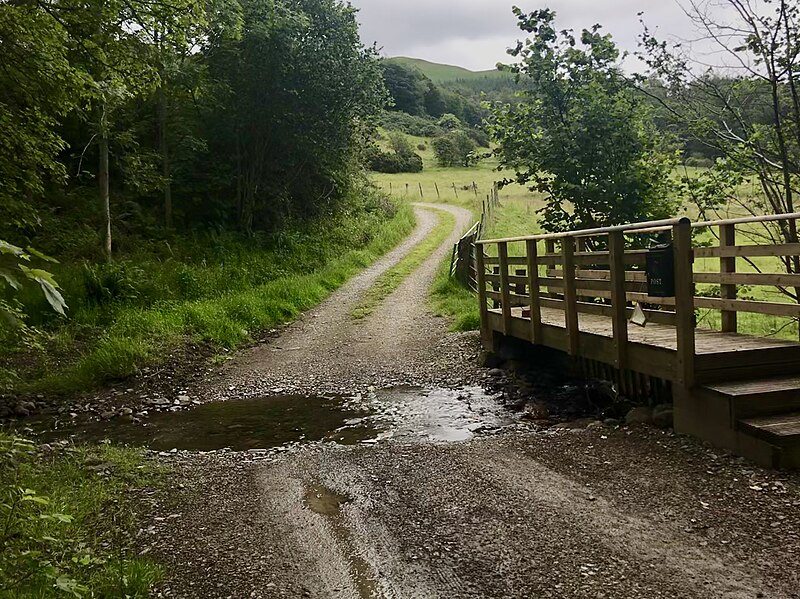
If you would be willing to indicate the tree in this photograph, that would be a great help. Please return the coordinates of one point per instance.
(38, 87)
(747, 111)
(449, 122)
(120, 45)
(296, 90)
(407, 87)
(581, 133)
(455, 148)
(402, 159)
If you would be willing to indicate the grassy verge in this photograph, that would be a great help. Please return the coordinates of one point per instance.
(135, 311)
(392, 278)
(68, 521)
(452, 299)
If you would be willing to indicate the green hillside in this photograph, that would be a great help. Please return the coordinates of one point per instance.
(445, 73)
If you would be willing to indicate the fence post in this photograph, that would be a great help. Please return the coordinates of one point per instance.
(533, 288)
(420, 192)
(727, 237)
(619, 302)
(684, 302)
(438, 195)
(505, 291)
(570, 296)
(406, 188)
(455, 191)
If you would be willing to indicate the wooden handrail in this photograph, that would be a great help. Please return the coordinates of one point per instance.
(647, 227)
(666, 224)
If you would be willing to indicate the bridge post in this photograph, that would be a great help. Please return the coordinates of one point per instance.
(505, 287)
(570, 295)
(684, 302)
(480, 277)
(727, 237)
(619, 301)
(533, 289)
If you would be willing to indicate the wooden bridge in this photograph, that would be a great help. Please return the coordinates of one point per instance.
(578, 293)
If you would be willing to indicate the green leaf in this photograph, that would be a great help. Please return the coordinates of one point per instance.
(49, 287)
(36, 499)
(7, 248)
(9, 278)
(70, 585)
(41, 256)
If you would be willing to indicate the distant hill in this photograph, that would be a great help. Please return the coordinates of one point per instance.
(445, 73)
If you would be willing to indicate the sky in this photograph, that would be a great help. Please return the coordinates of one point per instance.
(476, 33)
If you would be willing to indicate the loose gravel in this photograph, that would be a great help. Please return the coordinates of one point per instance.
(594, 511)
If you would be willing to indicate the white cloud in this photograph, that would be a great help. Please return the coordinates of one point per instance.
(475, 33)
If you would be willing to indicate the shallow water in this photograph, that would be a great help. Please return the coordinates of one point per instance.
(404, 414)
(239, 425)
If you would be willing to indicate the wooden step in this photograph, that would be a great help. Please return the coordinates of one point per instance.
(777, 438)
(748, 364)
(760, 397)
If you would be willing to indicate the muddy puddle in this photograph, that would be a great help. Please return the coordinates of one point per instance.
(327, 503)
(238, 425)
(405, 414)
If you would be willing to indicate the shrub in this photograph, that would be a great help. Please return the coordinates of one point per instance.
(449, 122)
(112, 282)
(410, 125)
(698, 160)
(393, 162)
(479, 136)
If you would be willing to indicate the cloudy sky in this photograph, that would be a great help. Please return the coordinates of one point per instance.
(475, 33)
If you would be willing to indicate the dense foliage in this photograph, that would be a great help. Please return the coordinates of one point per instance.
(127, 122)
(581, 133)
(221, 114)
(412, 92)
(68, 521)
(401, 158)
(455, 148)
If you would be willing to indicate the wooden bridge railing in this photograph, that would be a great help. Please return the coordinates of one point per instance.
(603, 272)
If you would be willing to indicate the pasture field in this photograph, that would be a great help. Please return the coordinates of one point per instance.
(517, 215)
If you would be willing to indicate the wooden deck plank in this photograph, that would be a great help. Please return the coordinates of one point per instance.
(661, 335)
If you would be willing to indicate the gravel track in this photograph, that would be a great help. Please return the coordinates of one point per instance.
(597, 512)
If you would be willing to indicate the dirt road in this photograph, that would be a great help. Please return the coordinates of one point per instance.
(510, 512)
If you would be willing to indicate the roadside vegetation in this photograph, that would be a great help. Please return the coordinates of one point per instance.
(215, 289)
(173, 160)
(69, 520)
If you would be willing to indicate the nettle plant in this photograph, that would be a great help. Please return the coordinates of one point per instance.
(31, 547)
(16, 271)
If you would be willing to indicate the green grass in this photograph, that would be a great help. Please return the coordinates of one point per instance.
(391, 279)
(221, 296)
(67, 520)
(450, 298)
(445, 73)
(517, 216)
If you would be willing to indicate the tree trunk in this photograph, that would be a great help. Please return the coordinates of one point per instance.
(102, 177)
(164, 147)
